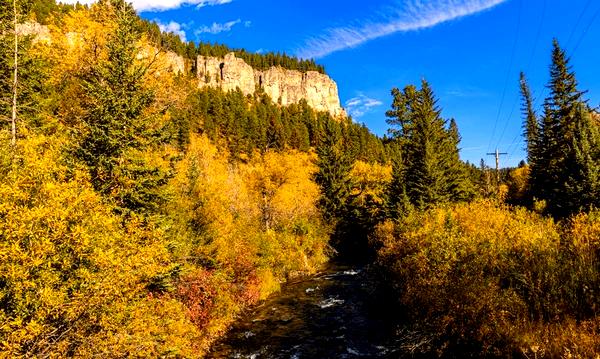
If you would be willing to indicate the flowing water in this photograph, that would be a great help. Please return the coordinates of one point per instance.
(334, 314)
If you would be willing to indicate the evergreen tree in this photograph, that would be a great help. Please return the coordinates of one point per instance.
(461, 187)
(333, 174)
(400, 117)
(531, 127)
(425, 179)
(582, 187)
(115, 125)
(433, 172)
(398, 202)
(556, 155)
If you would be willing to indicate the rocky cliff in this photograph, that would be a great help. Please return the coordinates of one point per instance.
(283, 86)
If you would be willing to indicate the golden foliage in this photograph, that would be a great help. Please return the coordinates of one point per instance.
(518, 184)
(80, 278)
(78, 42)
(370, 181)
(74, 277)
(252, 224)
(502, 278)
(262, 212)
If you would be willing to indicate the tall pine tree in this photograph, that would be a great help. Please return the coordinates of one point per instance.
(333, 176)
(566, 143)
(531, 127)
(115, 127)
(433, 172)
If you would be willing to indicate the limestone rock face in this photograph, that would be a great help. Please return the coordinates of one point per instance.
(164, 61)
(39, 32)
(283, 86)
(174, 62)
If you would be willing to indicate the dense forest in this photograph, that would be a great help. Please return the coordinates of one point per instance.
(140, 215)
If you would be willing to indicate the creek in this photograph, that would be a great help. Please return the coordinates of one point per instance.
(336, 313)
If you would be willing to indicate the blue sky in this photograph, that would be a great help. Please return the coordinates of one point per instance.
(471, 51)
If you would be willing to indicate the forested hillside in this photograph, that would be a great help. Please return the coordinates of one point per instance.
(125, 233)
(139, 215)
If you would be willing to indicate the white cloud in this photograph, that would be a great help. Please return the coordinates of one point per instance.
(160, 5)
(217, 28)
(410, 15)
(202, 3)
(174, 27)
(360, 105)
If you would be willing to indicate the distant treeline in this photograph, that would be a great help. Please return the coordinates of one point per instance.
(254, 123)
(261, 61)
(42, 9)
(172, 42)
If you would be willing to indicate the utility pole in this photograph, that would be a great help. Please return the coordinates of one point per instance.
(497, 154)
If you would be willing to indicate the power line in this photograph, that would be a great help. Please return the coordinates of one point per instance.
(581, 15)
(535, 44)
(511, 150)
(514, 146)
(512, 57)
(578, 21)
(537, 36)
(586, 30)
(512, 111)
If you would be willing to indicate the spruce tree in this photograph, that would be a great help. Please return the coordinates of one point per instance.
(425, 178)
(433, 172)
(555, 153)
(334, 167)
(115, 124)
(461, 188)
(531, 127)
(398, 202)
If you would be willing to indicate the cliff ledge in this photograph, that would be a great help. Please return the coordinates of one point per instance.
(284, 86)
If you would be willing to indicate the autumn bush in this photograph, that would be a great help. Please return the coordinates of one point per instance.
(73, 276)
(483, 279)
(78, 279)
(248, 218)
